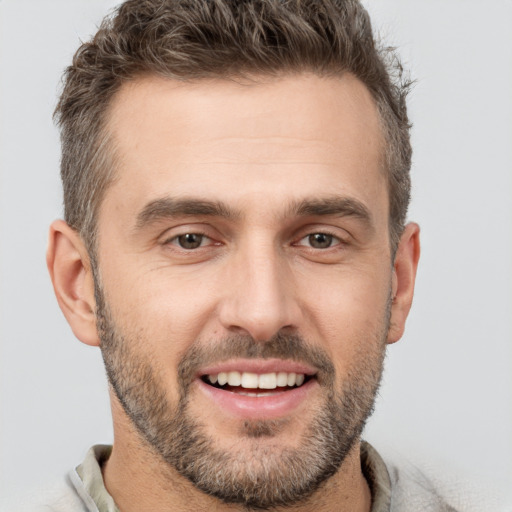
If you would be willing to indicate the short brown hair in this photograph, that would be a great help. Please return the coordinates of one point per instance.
(196, 39)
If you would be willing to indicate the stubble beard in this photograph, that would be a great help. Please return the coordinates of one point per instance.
(264, 474)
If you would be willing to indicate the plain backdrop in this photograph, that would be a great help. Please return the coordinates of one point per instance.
(446, 399)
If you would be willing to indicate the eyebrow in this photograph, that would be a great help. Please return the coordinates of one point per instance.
(336, 206)
(169, 207)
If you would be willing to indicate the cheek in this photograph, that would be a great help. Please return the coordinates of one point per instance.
(348, 313)
(163, 311)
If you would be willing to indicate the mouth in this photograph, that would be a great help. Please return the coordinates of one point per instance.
(258, 390)
(254, 384)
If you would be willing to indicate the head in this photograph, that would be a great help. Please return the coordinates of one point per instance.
(199, 40)
(236, 184)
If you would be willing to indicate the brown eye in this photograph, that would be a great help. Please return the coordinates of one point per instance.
(320, 240)
(190, 240)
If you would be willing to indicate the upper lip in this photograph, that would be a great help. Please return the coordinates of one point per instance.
(259, 366)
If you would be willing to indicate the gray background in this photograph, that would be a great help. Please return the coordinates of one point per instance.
(446, 400)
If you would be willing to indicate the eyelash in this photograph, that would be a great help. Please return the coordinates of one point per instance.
(174, 240)
(333, 242)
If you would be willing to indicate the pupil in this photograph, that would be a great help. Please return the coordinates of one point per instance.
(190, 241)
(320, 240)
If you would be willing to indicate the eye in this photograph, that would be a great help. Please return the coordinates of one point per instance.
(319, 240)
(190, 240)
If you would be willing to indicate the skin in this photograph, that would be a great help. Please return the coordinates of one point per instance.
(259, 148)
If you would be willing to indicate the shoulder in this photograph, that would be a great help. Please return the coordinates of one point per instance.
(60, 496)
(433, 490)
(82, 490)
(413, 490)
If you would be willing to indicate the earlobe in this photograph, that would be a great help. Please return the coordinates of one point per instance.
(403, 279)
(70, 272)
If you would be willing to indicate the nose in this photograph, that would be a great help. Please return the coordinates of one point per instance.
(259, 298)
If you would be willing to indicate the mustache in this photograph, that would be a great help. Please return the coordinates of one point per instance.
(281, 346)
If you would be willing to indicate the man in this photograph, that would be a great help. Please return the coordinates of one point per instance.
(236, 182)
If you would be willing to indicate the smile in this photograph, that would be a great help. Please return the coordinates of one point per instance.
(237, 382)
(258, 390)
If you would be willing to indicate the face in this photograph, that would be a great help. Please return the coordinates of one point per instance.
(244, 279)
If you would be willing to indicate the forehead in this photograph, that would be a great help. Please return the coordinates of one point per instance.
(271, 139)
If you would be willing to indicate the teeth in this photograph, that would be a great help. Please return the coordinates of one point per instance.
(250, 380)
(234, 378)
(282, 379)
(248, 393)
(268, 381)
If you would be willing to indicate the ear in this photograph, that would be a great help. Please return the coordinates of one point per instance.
(404, 277)
(70, 271)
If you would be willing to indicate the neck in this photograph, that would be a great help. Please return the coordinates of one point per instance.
(138, 479)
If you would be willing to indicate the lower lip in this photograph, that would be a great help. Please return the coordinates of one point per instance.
(259, 407)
